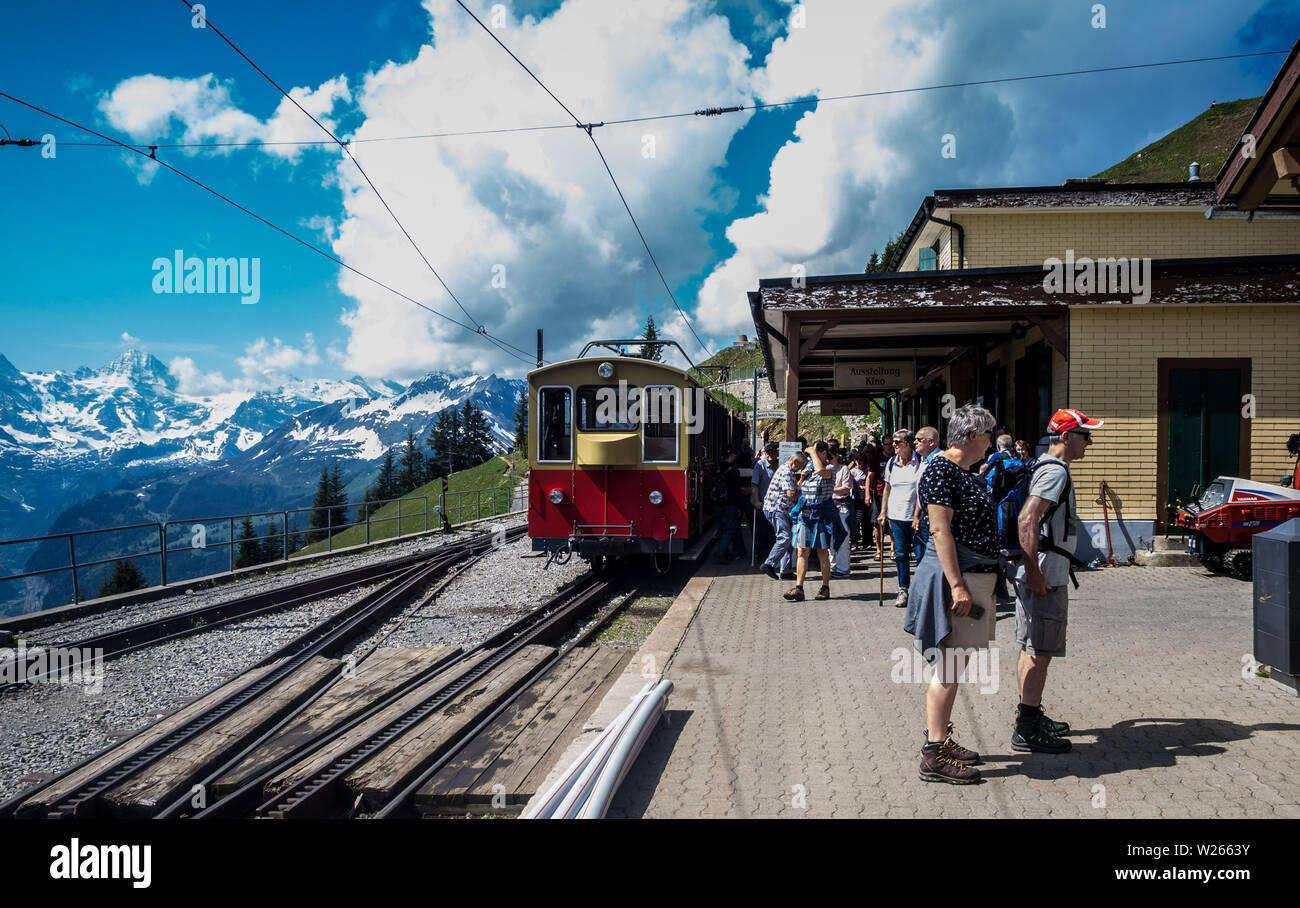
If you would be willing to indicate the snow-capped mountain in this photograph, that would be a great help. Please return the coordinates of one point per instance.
(133, 403)
(121, 445)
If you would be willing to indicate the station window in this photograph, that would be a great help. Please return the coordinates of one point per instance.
(555, 424)
(600, 409)
(659, 419)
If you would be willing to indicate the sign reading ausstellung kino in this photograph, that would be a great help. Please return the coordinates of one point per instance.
(880, 376)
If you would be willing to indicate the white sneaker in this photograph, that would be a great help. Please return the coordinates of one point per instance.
(901, 601)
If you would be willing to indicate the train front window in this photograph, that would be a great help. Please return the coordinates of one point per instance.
(555, 424)
(608, 408)
(659, 425)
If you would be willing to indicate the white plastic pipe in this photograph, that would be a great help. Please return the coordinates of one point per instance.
(547, 806)
(586, 782)
(625, 749)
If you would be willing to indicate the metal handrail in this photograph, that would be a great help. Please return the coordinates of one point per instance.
(162, 550)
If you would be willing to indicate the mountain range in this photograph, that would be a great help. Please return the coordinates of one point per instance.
(122, 445)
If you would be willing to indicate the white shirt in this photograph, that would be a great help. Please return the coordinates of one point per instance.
(902, 479)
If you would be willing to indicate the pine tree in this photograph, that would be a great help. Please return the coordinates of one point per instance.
(320, 507)
(273, 547)
(338, 498)
(124, 578)
(295, 535)
(386, 483)
(880, 263)
(444, 443)
(250, 549)
(476, 436)
(521, 421)
(411, 474)
(651, 352)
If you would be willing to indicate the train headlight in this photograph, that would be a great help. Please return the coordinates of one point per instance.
(556, 496)
(606, 370)
(656, 497)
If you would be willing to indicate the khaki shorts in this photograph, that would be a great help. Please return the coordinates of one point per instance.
(1041, 619)
(975, 633)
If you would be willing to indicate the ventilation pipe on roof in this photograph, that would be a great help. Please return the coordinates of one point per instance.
(961, 233)
(1193, 172)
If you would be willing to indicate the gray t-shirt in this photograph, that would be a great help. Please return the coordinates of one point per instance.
(1048, 483)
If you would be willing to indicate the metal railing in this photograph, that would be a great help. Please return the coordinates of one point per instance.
(413, 516)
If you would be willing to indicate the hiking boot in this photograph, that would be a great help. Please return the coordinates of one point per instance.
(770, 571)
(824, 592)
(901, 601)
(1056, 728)
(795, 594)
(963, 755)
(939, 764)
(1031, 737)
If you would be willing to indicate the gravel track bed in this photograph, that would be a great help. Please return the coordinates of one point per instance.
(499, 588)
(51, 728)
(127, 615)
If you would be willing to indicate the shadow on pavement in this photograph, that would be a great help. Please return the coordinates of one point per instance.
(637, 790)
(1130, 744)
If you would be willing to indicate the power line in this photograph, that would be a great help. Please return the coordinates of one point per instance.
(701, 112)
(588, 128)
(253, 214)
(220, 34)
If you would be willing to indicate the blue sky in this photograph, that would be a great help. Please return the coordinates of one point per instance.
(724, 201)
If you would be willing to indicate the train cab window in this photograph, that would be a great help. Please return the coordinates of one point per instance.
(659, 419)
(555, 424)
(600, 407)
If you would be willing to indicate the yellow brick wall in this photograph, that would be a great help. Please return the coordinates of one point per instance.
(995, 239)
(1004, 238)
(1113, 376)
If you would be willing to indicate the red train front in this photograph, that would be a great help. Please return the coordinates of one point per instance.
(619, 451)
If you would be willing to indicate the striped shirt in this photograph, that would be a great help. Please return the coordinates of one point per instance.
(782, 482)
(816, 488)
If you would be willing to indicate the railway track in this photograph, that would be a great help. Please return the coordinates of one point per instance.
(78, 792)
(115, 643)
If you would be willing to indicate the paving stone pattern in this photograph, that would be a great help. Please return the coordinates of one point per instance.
(791, 710)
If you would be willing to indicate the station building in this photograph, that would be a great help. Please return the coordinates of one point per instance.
(1170, 310)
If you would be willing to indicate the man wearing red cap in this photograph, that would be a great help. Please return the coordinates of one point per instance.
(1048, 540)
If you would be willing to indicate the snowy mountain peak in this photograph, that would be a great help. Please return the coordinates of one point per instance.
(140, 368)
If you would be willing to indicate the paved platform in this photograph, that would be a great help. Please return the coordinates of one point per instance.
(816, 709)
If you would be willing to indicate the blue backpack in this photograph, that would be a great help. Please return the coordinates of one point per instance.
(1013, 500)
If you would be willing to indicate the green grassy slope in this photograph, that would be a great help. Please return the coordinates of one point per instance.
(501, 473)
(1208, 139)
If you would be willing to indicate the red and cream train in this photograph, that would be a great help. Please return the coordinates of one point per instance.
(620, 453)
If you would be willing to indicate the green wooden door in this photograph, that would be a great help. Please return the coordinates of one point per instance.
(1204, 440)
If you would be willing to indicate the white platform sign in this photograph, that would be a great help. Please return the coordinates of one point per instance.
(875, 376)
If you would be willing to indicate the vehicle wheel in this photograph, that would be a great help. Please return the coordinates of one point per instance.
(1239, 564)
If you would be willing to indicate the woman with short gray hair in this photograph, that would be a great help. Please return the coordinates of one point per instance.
(951, 610)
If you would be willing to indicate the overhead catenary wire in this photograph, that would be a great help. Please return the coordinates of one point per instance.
(479, 327)
(254, 214)
(700, 112)
(588, 128)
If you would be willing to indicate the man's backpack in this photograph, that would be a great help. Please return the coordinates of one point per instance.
(718, 490)
(1005, 475)
(1008, 515)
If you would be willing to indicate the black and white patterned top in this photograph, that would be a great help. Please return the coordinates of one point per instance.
(816, 488)
(974, 519)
